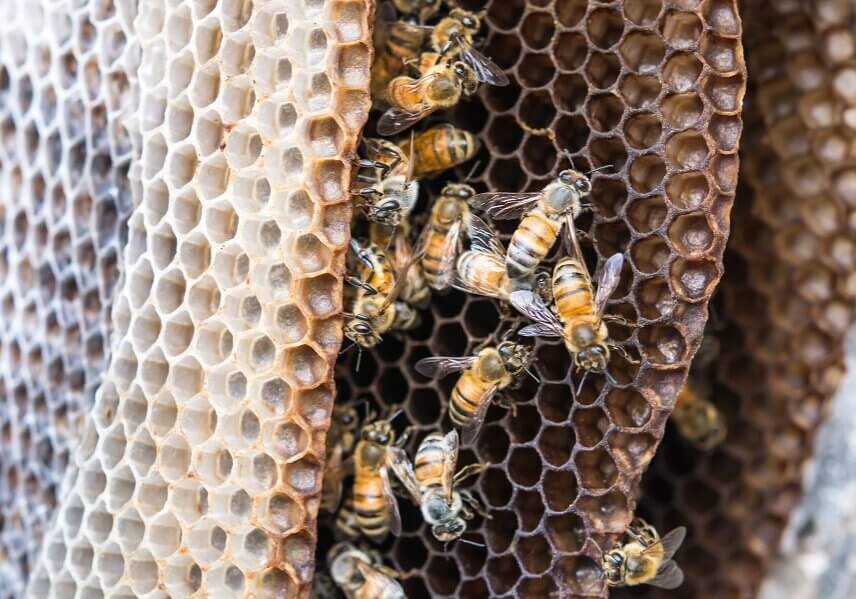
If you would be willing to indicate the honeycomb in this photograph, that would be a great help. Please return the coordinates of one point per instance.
(65, 154)
(786, 302)
(654, 90)
(198, 469)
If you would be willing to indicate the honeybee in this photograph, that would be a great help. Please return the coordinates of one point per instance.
(341, 439)
(697, 419)
(376, 308)
(481, 270)
(392, 193)
(375, 508)
(439, 148)
(452, 38)
(432, 485)
(449, 215)
(415, 291)
(483, 375)
(400, 45)
(346, 518)
(577, 314)
(362, 575)
(544, 213)
(413, 99)
(645, 558)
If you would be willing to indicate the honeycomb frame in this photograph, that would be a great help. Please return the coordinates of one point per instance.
(787, 302)
(199, 468)
(564, 473)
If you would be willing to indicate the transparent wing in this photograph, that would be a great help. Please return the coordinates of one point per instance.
(484, 68)
(396, 120)
(450, 461)
(672, 540)
(391, 502)
(504, 206)
(483, 239)
(608, 281)
(400, 281)
(440, 367)
(669, 576)
(538, 330)
(399, 463)
(534, 308)
(571, 238)
(470, 432)
(476, 288)
(450, 244)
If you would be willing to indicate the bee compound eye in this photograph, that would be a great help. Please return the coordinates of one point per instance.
(583, 185)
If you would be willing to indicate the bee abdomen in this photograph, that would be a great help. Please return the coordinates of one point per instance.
(438, 269)
(429, 463)
(530, 243)
(572, 292)
(467, 396)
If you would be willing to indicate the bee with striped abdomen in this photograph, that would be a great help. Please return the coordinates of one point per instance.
(432, 483)
(361, 574)
(341, 439)
(392, 192)
(453, 38)
(375, 508)
(697, 419)
(442, 86)
(376, 308)
(483, 375)
(481, 269)
(645, 558)
(439, 148)
(544, 213)
(450, 216)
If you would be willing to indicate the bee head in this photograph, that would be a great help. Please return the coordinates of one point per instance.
(575, 179)
(542, 285)
(469, 20)
(466, 76)
(515, 356)
(613, 563)
(593, 358)
(379, 432)
(359, 330)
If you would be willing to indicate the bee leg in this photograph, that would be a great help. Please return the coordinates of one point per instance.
(468, 471)
(474, 504)
(393, 573)
(507, 403)
(400, 442)
(620, 349)
(361, 253)
(617, 319)
(356, 282)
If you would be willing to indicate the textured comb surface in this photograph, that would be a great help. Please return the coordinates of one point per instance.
(65, 153)
(655, 90)
(199, 467)
(787, 301)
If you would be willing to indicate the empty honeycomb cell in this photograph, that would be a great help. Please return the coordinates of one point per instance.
(650, 254)
(687, 150)
(605, 27)
(605, 112)
(570, 50)
(692, 279)
(536, 70)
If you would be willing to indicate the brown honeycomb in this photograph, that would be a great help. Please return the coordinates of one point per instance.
(65, 199)
(786, 301)
(655, 90)
(198, 471)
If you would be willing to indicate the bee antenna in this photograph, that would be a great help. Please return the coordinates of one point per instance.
(359, 358)
(472, 171)
(530, 373)
(352, 344)
(609, 378)
(582, 382)
(468, 542)
(600, 168)
(395, 415)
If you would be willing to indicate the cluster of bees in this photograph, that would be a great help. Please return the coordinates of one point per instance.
(427, 61)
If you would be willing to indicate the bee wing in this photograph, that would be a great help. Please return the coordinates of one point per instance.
(484, 68)
(534, 308)
(450, 461)
(672, 540)
(439, 367)
(397, 460)
(538, 330)
(450, 243)
(504, 206)
(608, 281)
(483, 239)
(470, 432)
(395, 120)
(400, 281)
(392, 504)
(669, 576)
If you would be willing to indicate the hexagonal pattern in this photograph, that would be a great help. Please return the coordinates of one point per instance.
(786, 303)
(655, 90)
(64, 160)
(198, 470)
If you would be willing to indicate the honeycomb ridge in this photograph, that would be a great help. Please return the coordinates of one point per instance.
(787, 298)
(564, 473)
(66, 82)
(198, 471)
